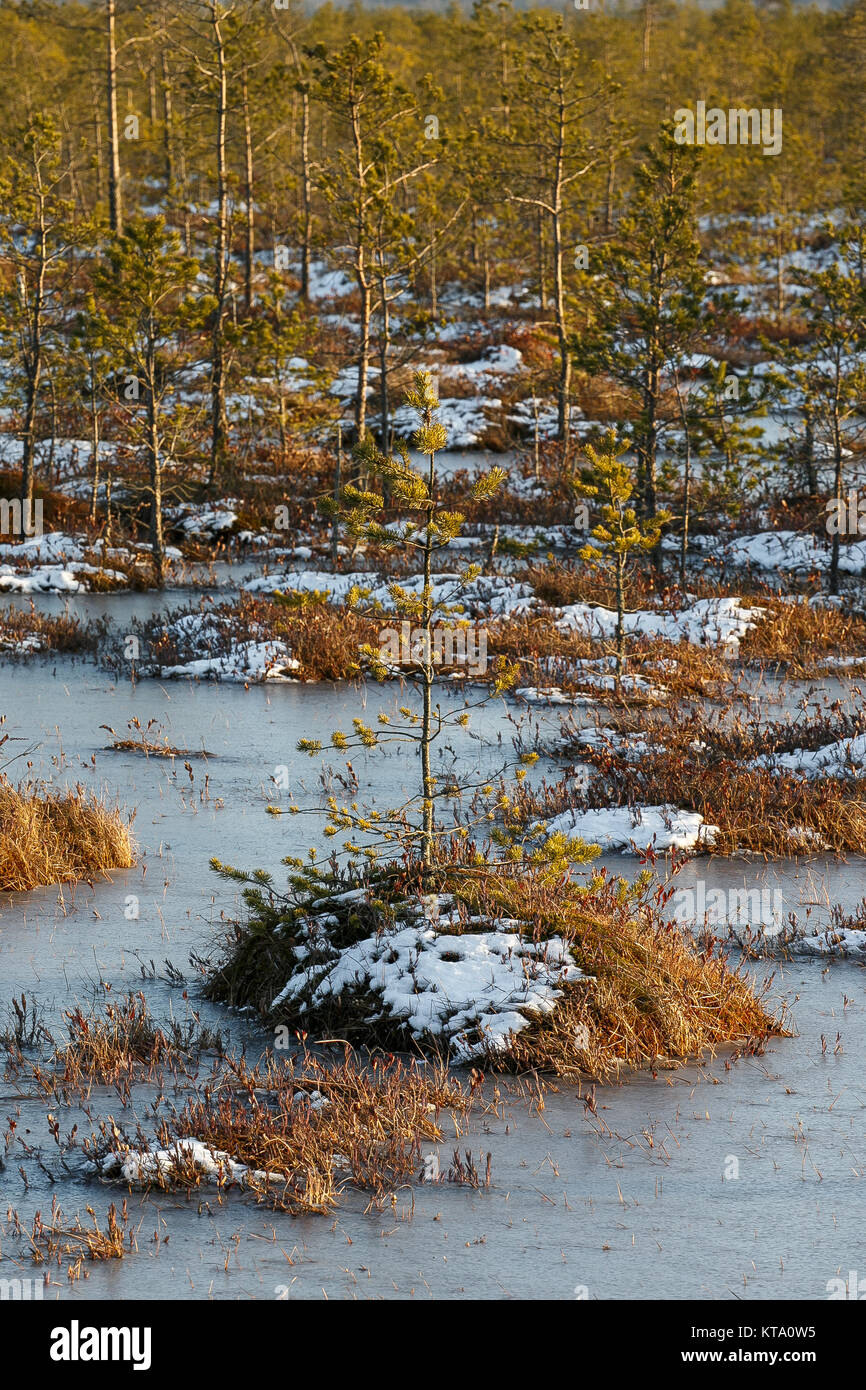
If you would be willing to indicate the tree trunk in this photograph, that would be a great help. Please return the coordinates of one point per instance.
(428, 674)
(249, 248)
(384, 344)
(219, 426)
(167, 131)
(154, 461)
(837, 491)
(620, 621)
(564, 392)
(115, 196)
(306, 199)
(94, 444)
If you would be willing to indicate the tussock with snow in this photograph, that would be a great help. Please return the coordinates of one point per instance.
(845, 757)
(474, 989)
(638, 828)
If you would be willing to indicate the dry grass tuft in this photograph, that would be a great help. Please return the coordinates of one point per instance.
(60, 1238)
(657, 999)
(121, 1044)
(58, 836)
(305, 1131)
(654, 994)
(802, 636)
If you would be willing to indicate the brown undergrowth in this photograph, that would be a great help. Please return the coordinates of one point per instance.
(50, 835)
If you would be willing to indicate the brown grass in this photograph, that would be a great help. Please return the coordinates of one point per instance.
(657, 999)
(58, 836)
(48, 632)
(548, 657)
(654, 993)
(706, 766)
(61, 1238)
(306, 1131)
(801, 636)
(121, 1044)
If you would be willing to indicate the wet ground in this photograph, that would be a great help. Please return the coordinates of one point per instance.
(740, 1181)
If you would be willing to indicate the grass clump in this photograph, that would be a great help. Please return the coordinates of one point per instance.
(295, 1132)
(804, 637)
(647, 993)
(27, 631)
(701, 764)
(58, 836)
(78, 1242)
(122, 1043)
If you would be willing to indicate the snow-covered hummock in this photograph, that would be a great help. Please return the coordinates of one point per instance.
(638, 828)
(22, 646)
(631, 747)
(214, 653)
(463, 417)
(553, 695)
(524, 414)
(707, 622)
(791, 550)
(835, 941)
(245, 661)
(49, 548)
(144, 1168)
(489, 595)
(203, 518)
(847, 757)
(494, 362)
(54, 579)
(473, 989)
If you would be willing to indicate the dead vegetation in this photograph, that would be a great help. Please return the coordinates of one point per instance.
(121, 1043)
(802, 636)
(149, 740)
(303, 1130)
(56, 835)
(26, 631)
(73, 1241)
(654, 994)
(708, 764)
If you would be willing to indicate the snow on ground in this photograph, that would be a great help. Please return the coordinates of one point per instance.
(632, 747)
(846, 757)
(486, 596)
(706, 622)
(49, 548)
(597, 675)
(216, 654)
(835, 941)
(245, 661)
(628, 828)
(203, 518)
(790, 550)
(464, 418)
(140, 1169)
(544, 412)
(494, 362)
(54, 579)
(709, 621)
(473, 989)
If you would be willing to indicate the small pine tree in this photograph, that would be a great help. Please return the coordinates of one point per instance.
(619, 533)
(147, 291)
(429, 608)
